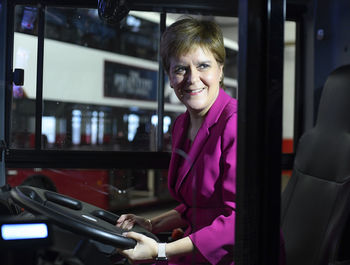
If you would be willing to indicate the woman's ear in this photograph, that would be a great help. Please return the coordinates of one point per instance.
(170, 83)
(221, 81)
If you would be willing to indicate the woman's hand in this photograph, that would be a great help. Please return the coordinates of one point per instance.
(146, 249)
(127, 222)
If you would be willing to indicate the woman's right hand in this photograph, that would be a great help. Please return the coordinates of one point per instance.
(127, 222)
(145, 251)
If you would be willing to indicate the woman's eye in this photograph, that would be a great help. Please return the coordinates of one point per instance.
(180, 70)
(203, 66)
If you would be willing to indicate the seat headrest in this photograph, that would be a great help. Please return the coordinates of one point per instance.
(324, 151)
(334, 108)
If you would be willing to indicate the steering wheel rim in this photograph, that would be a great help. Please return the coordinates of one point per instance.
(76, 216)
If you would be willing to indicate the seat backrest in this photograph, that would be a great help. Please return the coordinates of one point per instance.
(316, 201)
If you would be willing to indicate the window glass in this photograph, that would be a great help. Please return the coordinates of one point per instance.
(102, 78)
(288, 95)
(24, 57)
(98, 80)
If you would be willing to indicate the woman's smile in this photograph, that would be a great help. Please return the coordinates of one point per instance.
(194, 91)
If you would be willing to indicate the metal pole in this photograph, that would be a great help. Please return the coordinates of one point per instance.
(260, 83)
(160, 98)
(39, 77)
(6, 77)
(3, 25)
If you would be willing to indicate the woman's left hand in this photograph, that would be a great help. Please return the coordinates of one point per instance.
(145, 250)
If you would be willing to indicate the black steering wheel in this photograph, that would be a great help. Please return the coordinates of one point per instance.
(76, 216)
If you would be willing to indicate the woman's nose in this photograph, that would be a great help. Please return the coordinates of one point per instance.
(193, 76)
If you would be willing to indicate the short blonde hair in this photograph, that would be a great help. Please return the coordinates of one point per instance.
(188, 33)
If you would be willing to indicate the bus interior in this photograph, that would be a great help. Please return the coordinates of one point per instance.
(87, 110)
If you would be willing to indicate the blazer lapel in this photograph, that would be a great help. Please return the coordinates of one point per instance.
(202, 136)
(178, 139)
(196, 148)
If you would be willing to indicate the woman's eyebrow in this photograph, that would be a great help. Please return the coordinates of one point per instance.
(179, 65)
(204, 61)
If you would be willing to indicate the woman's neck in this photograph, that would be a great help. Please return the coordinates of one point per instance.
(195, 124)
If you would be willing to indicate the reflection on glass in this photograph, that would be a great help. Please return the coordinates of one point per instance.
(101, 127)
(133, 125)
(166, 122)
(49, 128)
(29, 18)
(76, 125)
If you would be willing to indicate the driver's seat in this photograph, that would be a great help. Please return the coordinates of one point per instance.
(316, 201)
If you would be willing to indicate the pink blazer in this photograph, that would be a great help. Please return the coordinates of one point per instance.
(205, 184)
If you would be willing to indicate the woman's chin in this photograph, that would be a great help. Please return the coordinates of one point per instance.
(196, 108)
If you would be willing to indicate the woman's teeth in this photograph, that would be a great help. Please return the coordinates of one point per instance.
(194, 91)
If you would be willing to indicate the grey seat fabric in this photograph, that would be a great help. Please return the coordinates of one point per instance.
(316, 201)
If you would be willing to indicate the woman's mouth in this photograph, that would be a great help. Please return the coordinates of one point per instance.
(194, 92)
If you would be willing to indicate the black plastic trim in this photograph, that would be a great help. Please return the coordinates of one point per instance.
(86, 159)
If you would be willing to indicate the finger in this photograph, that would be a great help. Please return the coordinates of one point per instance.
(128, 224)
(126, 252)
(124, 225)
(133, 235)
(120, 220)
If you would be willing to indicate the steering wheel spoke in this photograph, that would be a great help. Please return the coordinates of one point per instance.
(76, 216)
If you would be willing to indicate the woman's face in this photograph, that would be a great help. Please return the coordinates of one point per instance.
(195, 77)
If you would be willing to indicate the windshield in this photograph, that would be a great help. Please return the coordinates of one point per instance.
(99, 93)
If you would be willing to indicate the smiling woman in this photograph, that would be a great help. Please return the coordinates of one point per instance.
(202, 172)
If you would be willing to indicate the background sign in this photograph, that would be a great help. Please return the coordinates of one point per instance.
(125, 81)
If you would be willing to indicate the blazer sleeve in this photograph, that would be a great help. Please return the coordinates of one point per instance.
(180, 208)
(221, 232)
